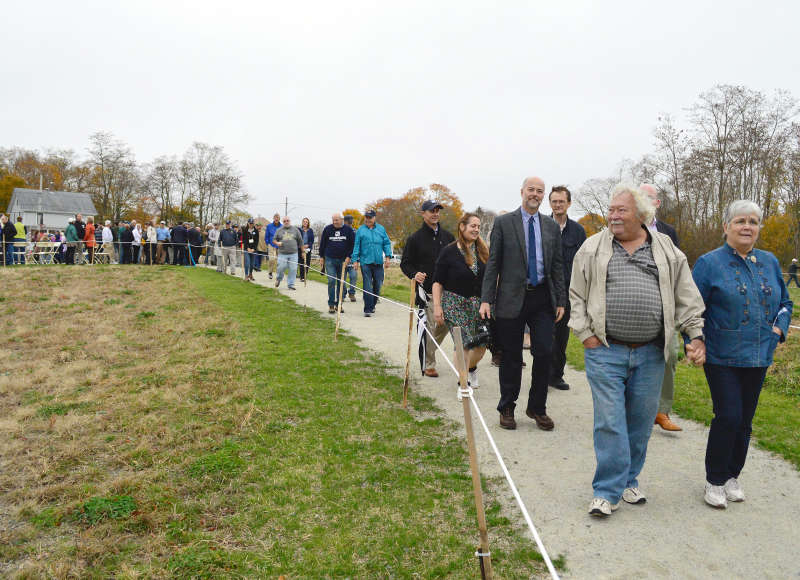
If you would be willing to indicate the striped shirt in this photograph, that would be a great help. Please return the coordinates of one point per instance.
(634, 312)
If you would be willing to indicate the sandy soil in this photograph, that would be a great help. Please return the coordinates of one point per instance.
(673, 535)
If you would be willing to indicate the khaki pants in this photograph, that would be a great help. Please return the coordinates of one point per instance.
(79, 257)
(108, 248)
(273, 259)
(228, 259)
(439, 332)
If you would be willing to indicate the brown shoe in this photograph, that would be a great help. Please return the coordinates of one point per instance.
(543, 422)
(497, 359)
(507, 418)
(663, 421)
(431, 372)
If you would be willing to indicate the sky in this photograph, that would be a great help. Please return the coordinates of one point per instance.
(333, 105)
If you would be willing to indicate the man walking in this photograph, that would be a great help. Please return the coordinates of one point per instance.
(335, 246)
(80, 230)
(269, 237)
(418, 262)
(668, 386)
(572, 236)
(228, 241)
(350, 273)
(524, 280)
(793, 273)
(9, 233)
(289, 241)
(373, 250)
(629, 291)
(249, 245)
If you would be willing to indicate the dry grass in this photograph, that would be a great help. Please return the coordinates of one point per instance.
(96, 370)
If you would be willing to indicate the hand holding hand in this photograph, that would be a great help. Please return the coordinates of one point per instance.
(696, 352)
(777, 331)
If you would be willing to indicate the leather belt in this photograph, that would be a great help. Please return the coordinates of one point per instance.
(531, 287)
(631, 344)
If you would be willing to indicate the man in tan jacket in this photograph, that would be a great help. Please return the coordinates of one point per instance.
(630, 289)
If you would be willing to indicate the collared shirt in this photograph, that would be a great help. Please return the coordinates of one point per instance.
(539, 251)
(162, 234)
(634, 311)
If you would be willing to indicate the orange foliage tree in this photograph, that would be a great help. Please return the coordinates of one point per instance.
(358, 217)
(776, 236)
(400, 215)
(592, 223)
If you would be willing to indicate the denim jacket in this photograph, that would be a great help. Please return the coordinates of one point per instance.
(744, 299)
(371, 244)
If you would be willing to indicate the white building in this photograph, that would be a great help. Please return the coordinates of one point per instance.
(48, 210)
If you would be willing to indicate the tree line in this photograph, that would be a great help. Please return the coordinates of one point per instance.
(732, 143)
(203, 185)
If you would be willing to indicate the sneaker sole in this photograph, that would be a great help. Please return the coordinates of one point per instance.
(637, 502)
(599, 513)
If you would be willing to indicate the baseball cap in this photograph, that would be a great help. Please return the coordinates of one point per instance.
(228, 222)
(250, 220)
(431, 205)
(370, 213)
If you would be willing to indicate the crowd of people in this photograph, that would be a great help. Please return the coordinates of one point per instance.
(629, 296)
(627, 293)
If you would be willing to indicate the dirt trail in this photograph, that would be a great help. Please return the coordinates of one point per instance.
(673, 535)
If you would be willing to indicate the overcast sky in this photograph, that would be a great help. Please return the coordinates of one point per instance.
(336, 104)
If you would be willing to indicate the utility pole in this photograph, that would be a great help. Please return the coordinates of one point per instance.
(286, 206)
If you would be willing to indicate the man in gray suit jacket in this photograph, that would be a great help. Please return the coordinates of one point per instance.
(524, 281)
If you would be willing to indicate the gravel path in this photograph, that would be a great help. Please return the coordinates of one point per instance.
(673, 535)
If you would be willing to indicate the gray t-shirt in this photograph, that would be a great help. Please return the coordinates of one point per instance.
(291, 239)
(634, 312)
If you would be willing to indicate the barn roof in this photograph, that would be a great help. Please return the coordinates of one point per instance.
(35, 200)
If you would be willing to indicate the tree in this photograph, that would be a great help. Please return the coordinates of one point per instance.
(358, 217)
(592, 223)
(8, 183)
(776, 236)
(400, 215)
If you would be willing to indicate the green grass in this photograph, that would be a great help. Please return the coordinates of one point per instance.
(395, 286)
(335, 478)
(776, 425)
(98, 509)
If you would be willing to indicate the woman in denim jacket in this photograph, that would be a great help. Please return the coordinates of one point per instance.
(747, 313)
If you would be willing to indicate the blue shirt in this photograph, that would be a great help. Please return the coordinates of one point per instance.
(162, 234)
(744, 300)
(539, 252)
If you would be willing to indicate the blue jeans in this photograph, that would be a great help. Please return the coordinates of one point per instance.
(734, 392)
(249, 262)
(333, 269)
(287, 261)
(352, 279)
(9, 249)
(626, 387)
(372, 277)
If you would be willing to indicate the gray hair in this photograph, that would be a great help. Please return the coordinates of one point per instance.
(742, 207)
(644, 207)
(108, 222)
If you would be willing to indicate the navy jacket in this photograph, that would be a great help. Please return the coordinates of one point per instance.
(664, 228)
(572, 236)
(179, 235)
(337, 243)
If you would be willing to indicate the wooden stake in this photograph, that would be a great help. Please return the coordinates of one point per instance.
(339, 308)
(243, 274)
(411, 304)
(461, 365)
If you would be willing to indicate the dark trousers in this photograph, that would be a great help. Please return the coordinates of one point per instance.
(125, 258)
(372, 281)
(179, 257)
(70, 257)
(734, 392)
(560, 340)
(537, 313)
(792, 277)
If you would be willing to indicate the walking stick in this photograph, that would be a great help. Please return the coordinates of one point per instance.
(412, 306)
(339, 309)
(483, 554)
(243, 276)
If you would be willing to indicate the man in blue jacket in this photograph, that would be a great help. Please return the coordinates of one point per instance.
(335, 246)
(269, 236)
(372, 250)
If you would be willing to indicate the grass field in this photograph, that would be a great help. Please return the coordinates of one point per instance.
(160, 422)
(776, 426)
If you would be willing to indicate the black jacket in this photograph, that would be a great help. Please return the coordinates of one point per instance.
(9, 232)
(421, 252)
(195, 238)
(179, 235)
(250, 239)
(126, 237)
(663, 228)
(80, 228)
(572, 236)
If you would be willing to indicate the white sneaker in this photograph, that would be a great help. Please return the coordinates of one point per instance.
(633, 495)
(733, 491)
(602, 507)
(473, 379)
(715, 496)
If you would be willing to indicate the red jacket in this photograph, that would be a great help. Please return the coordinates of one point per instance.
(88, 237)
